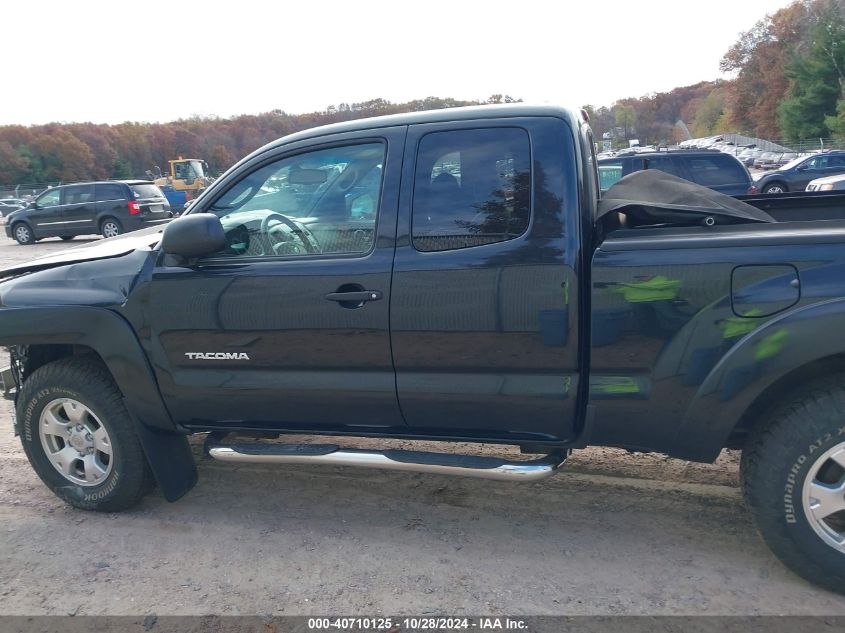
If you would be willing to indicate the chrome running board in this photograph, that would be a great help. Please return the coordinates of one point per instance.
(414, 461)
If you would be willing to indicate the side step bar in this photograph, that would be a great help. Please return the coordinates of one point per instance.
(415, 461)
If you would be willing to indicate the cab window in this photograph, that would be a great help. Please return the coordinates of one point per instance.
(319, 202)
(471, 188)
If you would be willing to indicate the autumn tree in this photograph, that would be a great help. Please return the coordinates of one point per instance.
(709, 115)
(816, 79)
(626, 118)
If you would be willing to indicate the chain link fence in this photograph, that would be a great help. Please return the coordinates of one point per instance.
(25, 191)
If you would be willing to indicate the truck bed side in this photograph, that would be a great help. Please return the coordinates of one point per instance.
(692, 326)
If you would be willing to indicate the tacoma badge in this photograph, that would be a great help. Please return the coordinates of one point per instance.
(217, 355)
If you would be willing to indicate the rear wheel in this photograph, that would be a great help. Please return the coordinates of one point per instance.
(23, 234)
(79, 437)
(110, 228)
(775, 187)
(793, 471)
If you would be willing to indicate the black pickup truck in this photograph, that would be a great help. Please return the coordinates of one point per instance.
(451, 276)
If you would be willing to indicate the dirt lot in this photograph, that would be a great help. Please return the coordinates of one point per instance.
(613, 533)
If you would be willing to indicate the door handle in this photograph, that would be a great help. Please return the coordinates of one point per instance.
(356, 296)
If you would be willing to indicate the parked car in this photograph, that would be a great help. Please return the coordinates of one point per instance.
(480, 292)
(749, 155)
(797, 174)
(7, 205)
(711, 168)
(827, 183)
(107, 207)
(765, 157)
(785, 158)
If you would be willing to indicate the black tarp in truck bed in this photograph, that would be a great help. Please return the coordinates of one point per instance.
(652, 196)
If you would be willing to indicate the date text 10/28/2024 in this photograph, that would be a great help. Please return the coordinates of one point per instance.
(409, 624)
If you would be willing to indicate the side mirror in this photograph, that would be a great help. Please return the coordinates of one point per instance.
(193, 236)
(803, 167)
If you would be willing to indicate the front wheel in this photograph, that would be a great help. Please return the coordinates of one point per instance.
(79, 437)
(23, 234)
(793, 471)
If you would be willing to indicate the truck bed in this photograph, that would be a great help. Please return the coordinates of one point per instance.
(800, 206)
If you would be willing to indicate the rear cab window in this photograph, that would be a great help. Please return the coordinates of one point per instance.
(471, 188)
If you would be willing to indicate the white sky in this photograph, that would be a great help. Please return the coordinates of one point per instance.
(159, 60)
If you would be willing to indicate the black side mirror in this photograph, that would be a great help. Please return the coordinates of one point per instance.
(192, 236)
(803, 167)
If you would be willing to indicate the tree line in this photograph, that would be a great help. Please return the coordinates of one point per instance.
(787, 84)
(68, 152)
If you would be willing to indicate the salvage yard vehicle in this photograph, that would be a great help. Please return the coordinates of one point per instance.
(453, 276)
(797, 174)
(711, 168)
(827, 183)
(109, 208)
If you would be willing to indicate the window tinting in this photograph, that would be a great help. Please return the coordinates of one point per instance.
(146, 191)
(662, 163)
(715, 170)
(50, 199)
(110, 192)
(472, 187)
(319, 202)
(79, 194)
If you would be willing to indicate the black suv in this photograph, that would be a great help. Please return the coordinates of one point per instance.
(109, 208)
(797, 174)
(712, 169)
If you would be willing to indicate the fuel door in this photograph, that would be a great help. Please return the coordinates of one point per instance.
(764, 290)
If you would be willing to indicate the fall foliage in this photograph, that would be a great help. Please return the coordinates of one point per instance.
(81, 151)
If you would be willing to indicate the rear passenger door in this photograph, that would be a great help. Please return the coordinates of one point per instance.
(483, 322)
(112, 198)
(78, 210)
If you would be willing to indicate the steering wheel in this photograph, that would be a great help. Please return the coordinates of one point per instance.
(310, 247)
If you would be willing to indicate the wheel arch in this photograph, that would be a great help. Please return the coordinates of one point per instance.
(781, 183)
(746, 382)
(57, 331)
(18, 222)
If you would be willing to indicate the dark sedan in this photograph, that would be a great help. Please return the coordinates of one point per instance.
(797, 174)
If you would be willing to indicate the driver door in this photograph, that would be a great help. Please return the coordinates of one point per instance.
(287, 327)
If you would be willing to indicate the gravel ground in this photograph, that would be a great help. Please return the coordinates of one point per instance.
(613, 533)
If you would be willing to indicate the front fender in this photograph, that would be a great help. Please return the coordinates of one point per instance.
(784, 344)
(111, 336)
(108, 334)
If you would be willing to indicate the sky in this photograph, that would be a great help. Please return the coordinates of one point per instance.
(115, 61)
